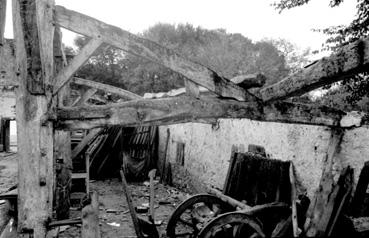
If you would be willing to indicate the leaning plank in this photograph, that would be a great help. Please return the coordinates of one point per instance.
(78, 149)
(321, 210)
(182, 109)
(64, 75)
(348, 61)
(128, 42)
(106, 87)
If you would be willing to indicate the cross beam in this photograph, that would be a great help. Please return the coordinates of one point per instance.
(188, 109)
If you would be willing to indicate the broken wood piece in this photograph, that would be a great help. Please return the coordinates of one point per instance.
(81, 145)
(162, 172)
(249, 81)
(65, 222)
(358, 206)
(320, 211)
(192, 89)
(345, 186)
(282, 228)
(131, 207)
(152, 195)
(293, 201)
(227, 199)
(90, 218)
(106, 87)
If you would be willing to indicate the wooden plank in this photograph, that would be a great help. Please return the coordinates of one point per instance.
(35, 136)
(2, 20)
(321, 209)
(133, 44)
(90, 219)
(192, 89)
(249, 81)
(358, 205)
(86, 52)
(295, 227)
(182, 109)
(78, 149)
(105, 87)
(347, 62)
(132, 211)
(85, 96)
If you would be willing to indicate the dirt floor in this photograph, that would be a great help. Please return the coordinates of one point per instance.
(115, 219)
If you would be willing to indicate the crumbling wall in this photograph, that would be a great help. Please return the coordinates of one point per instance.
(208, 147)
(7, 104)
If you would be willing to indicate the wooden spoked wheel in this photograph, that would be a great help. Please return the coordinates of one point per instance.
(232, 225)
(193, 214)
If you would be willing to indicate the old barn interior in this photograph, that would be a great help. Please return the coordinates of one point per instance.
(220, 157)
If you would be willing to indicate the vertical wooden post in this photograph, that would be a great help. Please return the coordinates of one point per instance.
(33, 39)
(62, 147)
(2, 20)
(90, 219)
(7, 135)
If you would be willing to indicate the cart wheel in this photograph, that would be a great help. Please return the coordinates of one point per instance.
(232, 225)
(192, 214)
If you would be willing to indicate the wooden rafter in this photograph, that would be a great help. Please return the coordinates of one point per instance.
(188, 109)
(106, 87)
(152, 51)
(66, 73)
(348, 61)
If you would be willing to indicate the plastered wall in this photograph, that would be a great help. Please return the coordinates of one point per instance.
(208, 148)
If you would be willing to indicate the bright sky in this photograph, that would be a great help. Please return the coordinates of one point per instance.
(255, 19)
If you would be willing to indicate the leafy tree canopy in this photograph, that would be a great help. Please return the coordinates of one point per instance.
(353, 93)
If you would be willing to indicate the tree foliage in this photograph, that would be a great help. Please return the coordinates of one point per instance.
(353, 93)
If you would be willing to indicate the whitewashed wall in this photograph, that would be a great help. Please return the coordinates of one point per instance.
(208, 149)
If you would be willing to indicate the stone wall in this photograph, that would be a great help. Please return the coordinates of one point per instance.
(208, 147)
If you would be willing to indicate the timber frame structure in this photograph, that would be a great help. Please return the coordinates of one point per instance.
(35, 63)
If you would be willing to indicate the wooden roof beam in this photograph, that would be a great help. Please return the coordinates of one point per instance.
(183, 109)
(152, 51)
(347, 62)
(106, 87)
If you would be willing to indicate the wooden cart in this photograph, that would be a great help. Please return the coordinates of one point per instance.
(268, 208)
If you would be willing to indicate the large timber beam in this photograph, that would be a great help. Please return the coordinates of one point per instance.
(33, 39)
(152, 51)
(347, 62)
(188, 109)
(105, 87)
